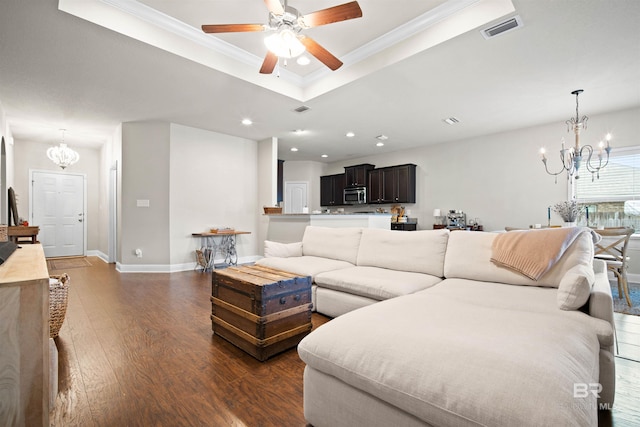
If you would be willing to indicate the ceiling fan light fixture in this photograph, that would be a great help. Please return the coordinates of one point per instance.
(284, 44)
(303, 60)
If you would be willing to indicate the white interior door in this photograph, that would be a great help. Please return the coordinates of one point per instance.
(295, 196)
(57, 205)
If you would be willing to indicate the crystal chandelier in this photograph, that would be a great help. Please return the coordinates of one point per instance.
(62, 155)
(572, 158)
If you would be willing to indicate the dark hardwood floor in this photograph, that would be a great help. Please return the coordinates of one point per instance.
(137, 350)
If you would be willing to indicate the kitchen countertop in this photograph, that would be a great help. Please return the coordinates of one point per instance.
(330, 214)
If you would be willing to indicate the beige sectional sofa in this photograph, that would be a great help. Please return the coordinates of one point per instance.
(429, 331)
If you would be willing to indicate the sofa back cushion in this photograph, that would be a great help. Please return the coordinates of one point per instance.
(469, 257)
(334, 243)
(416, 251)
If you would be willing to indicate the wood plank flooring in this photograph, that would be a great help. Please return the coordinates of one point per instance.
(137, 350)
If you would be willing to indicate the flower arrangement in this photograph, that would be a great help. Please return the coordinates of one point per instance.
(568, 210)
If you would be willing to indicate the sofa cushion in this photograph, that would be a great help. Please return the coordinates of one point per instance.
(374, 282)
(304, 265)
(469, 257)
(277, 249)
(334, 243)
(575, 287)
(419, 251)
(463, 353)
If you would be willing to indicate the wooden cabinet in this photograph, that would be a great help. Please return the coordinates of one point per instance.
(396, 184)
(332, 189)
(24, 338)
(357, 175)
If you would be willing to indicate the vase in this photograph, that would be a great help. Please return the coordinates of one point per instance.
(569, 224)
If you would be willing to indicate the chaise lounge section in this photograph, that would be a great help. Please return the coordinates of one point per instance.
(475, 344)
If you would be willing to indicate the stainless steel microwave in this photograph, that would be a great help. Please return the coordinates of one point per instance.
(355, 195)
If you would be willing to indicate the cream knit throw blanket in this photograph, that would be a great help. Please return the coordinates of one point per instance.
(533, 252)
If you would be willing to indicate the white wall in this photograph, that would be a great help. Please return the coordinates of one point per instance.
(145, 176)
(30, 155)
(7, 173)
(213, 184)
(267, 184)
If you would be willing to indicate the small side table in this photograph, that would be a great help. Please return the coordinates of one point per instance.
(222, 242)
(23, 234)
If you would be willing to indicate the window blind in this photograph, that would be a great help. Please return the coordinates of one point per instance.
(619, 180)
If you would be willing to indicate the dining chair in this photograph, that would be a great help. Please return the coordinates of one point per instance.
(612, 249)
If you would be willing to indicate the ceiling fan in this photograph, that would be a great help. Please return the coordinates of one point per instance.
(287, 24)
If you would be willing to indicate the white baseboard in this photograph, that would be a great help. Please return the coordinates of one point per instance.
(633, 278)
(171, 268)
(98, 254)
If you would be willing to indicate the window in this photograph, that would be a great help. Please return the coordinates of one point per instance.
(614, 199)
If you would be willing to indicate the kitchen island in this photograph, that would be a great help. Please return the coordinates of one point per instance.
(289, 228)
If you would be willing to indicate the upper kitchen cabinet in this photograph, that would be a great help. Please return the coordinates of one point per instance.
(332, 189)
(357, 175)
(395, 184)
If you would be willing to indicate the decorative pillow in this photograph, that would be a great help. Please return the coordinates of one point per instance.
(282, 250)
(575, 287)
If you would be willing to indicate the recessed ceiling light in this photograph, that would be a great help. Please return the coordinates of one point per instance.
(298, 131)
(303, 60)
(382, 137)
(324, 156)
(294, 149)
(350, 134)
(451, 120)
(247, 122)
(379, 144)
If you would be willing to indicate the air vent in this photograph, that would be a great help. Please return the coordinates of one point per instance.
(502, 27)
(451, 120)
(301, 109)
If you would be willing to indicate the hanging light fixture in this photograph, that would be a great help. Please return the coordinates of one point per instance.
(284, 42)
(572, 157)
(62, 155)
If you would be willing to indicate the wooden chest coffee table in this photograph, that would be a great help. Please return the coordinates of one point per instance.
(260, 310)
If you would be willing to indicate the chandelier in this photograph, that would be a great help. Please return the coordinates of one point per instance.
(572, 158)
(62, 155)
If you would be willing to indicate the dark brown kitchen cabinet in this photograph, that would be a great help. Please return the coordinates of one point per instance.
(332, 189)
(357, 175)
(396, 184)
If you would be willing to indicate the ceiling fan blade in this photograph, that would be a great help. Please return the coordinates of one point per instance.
(333, 14)
(274, 6)
(232, 28)
(269, 63)
(322, 54)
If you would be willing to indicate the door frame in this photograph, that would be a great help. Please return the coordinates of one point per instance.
(84, 200)
(113, 212)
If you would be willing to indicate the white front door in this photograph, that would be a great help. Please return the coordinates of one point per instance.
(295, 196)
(58, 209)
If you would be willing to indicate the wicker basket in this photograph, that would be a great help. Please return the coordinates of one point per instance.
(4, 235)
(270, 210)
(58, 297)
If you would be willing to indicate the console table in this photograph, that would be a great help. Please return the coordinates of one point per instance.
(24, 338)
(222, 242)
(18, 233)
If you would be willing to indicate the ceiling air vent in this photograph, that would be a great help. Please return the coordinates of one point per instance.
(301, 109)
(502, 27)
